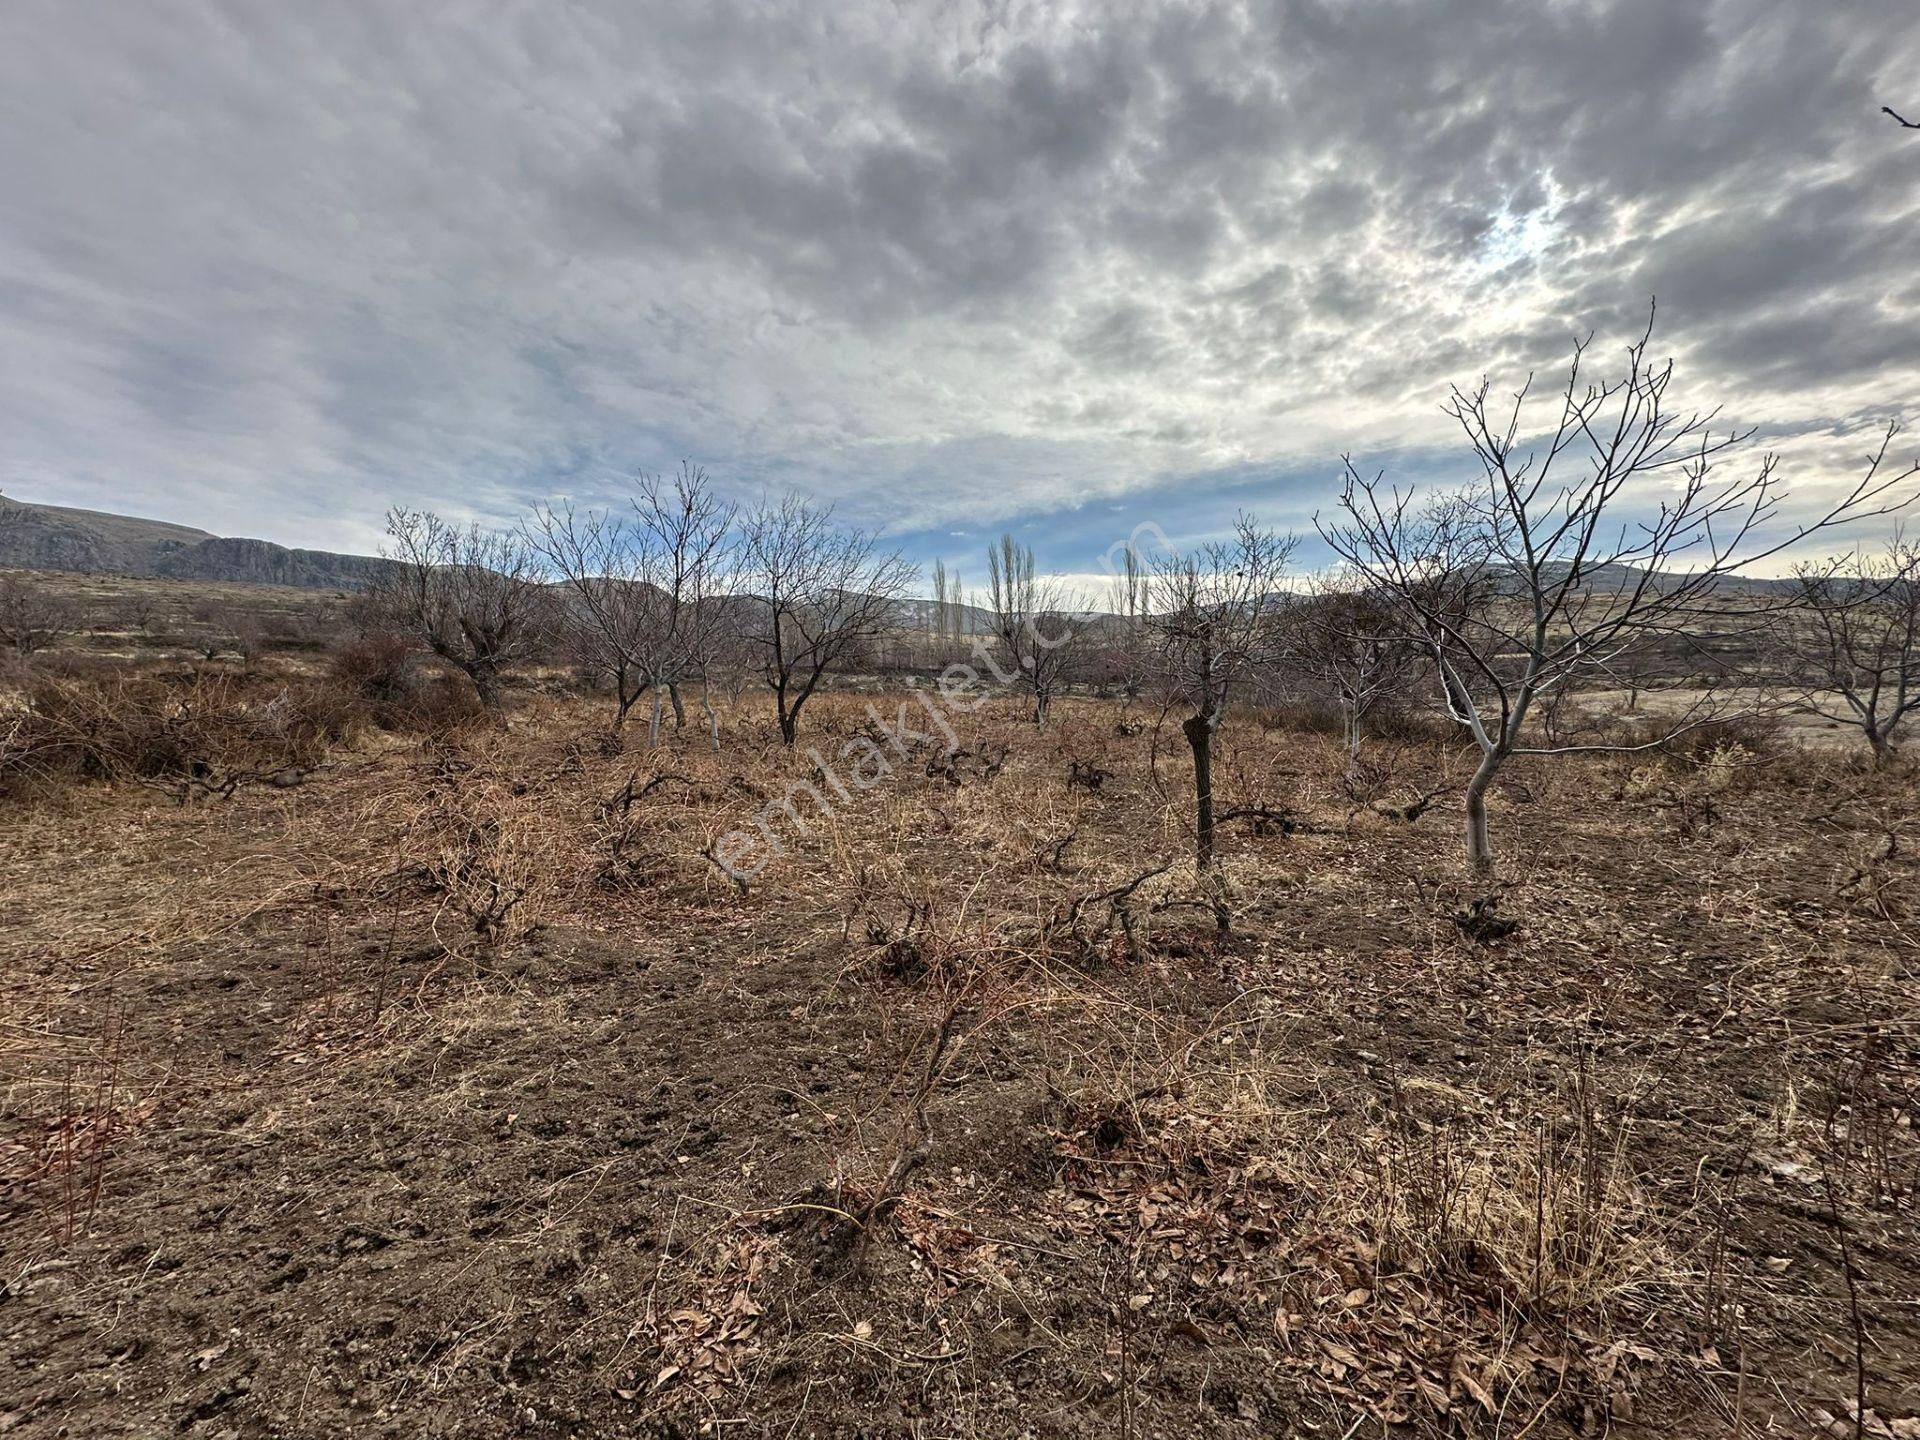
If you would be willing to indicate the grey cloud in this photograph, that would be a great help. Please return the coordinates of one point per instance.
(269, 268)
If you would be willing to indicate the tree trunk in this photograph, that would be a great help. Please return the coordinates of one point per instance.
(1040, 701)
(486, 683)
(653, 724)
(1479, 848)
(713, 716)
(1200, 738)
(789, 723)
(1882, 750)
(679, 710)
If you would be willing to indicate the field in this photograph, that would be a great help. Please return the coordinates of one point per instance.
(127, 616)
(456, 1090)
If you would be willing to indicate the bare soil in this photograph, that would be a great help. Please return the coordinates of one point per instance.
(288, 1148)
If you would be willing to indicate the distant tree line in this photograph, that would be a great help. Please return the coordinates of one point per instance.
(1604, 545)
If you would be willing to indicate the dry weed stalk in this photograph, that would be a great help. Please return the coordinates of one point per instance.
(487, 854)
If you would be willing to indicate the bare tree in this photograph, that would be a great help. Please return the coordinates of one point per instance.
(1122, 637)
(1853, 641)
(32, 617)
(473, 597)
(816, 593)
(225, 628)
(1347, 640)
(640, 587)
(718, 652)
(953, 604)
(141, 611)
(1613, 528)
(1211, 612)
(1030, 620)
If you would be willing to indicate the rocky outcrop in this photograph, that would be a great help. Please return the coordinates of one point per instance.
(54, 537)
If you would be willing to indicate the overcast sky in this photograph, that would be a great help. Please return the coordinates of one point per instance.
(267, 268)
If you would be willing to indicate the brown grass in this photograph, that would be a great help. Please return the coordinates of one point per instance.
(467, 1035)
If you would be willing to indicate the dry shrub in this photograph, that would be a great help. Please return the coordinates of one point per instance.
(901, 918)
(202, 732)
(384, 674)
(1544, 1215)
(1758, 736)
(487, 854)
(379, 667)
(1391, 722)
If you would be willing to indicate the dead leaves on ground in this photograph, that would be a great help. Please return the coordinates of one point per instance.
(703, 1346)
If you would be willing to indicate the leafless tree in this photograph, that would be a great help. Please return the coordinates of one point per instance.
(1910, 124)
(1037, 633)
(815, 592)
(640, 587)
(1612, 529)
(1853, 639)
(949, 604)
(473, 597)
(718, 654)
(1211, 612)
(225, 628)
(1121, 638)
(1348, 642)
(32, 617)
(141, 612)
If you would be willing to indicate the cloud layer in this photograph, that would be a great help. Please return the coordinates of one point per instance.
(267, 269)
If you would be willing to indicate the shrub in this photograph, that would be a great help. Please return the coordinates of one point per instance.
(1757, 735)
(382, 672)
(379, 667)
(198, 733)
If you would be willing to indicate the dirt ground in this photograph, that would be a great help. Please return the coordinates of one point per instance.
(289, 1148)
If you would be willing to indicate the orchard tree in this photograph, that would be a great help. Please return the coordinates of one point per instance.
(1031, 621)
(1853, 641)
(32, 617)
(1614, 529)
(1211, 614)
(814, 594)
(640, 587)
(1348, 642)
(473, 597)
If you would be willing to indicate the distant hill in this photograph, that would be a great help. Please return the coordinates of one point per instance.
(54, 537)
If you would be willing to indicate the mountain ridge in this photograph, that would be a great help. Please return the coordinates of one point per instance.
(97, 542)
(34, 536)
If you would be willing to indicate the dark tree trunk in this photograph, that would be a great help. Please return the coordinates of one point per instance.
(624, 700)
(679, 709)
(1200, 739)
(486, 682)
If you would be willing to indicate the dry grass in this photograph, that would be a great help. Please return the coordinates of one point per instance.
(1342, 1160)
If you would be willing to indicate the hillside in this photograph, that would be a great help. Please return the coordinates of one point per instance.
(55, 537)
